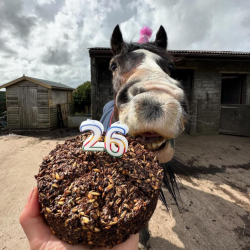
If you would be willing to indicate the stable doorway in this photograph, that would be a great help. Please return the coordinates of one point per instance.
(235, 114)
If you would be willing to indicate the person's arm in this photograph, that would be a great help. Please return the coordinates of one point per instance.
(40, 236)
(108, 110)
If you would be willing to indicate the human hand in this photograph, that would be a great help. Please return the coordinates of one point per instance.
(40, 236)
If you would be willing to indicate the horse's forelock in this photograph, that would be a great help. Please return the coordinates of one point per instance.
(150, 46)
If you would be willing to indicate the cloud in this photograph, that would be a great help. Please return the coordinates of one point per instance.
(47, 10)
(43, 2)
(5, 49)
(194, 24)
(13, 19)
(56, 56)
(50, 38)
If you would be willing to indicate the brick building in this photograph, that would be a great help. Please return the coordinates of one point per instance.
(216, 83)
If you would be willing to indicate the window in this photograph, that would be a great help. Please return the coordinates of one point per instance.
(233, 89)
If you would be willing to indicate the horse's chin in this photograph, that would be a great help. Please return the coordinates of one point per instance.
(161, 147)
(165, 154)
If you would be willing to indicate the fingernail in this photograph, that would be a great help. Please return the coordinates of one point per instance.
(30, 195)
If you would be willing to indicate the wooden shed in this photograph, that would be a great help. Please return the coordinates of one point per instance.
(32, 103)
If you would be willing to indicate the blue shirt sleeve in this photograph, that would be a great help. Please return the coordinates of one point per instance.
(106, 114)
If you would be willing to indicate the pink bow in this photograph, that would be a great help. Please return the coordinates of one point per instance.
(145, 34)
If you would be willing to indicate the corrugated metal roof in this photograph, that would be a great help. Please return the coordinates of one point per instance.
(52, 84)
(192, 51)
(99, 48)
(210, 52)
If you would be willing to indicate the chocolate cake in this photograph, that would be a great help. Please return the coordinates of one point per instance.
(95, 199)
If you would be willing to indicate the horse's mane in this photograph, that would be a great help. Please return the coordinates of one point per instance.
(170, 182)
(150, 46)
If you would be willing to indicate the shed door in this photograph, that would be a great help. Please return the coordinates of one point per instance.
(27, 97)
(235, 119)
(235, 114)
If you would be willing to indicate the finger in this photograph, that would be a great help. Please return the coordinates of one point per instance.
(131, 243)
(30, 195)
(31, 219)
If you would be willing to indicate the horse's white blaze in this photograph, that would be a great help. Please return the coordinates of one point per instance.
(150, 61)
(151, 75)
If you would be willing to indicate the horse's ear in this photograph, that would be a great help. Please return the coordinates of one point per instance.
(116, 41)
(161, 39)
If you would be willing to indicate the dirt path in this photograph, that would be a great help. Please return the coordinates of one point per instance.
(215, 190)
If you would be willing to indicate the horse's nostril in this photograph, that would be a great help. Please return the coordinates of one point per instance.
(124, 95)
(122, 98)
(149, 109)
(136, 91)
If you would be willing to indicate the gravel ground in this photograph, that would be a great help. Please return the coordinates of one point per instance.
(215, 188)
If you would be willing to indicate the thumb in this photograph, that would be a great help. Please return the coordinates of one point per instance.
(31, 219)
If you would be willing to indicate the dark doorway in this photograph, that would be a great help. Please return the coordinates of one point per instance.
(185, 77)
(235, 114)
(233, 89)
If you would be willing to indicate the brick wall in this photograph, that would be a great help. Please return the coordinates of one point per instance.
(205, 105)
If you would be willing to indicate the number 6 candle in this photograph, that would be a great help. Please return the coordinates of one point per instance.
(112, 139)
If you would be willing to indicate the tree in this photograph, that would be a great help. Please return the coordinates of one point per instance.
(82, 97)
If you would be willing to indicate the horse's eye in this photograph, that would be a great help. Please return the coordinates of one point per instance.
(171, 67)
(113, 66)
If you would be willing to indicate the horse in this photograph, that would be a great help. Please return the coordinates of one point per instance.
(146, 98)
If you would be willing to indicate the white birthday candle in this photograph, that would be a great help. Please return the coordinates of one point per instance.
(92, 143)
(115, 144)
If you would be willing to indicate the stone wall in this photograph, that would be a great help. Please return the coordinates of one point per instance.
(205, 100)
(205, 105)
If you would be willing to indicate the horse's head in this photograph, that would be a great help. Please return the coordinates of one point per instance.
(147, 99)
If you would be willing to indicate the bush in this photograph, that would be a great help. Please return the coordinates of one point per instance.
(82, 97)
(2, 101)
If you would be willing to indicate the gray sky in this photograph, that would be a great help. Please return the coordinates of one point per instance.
(48, 39)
